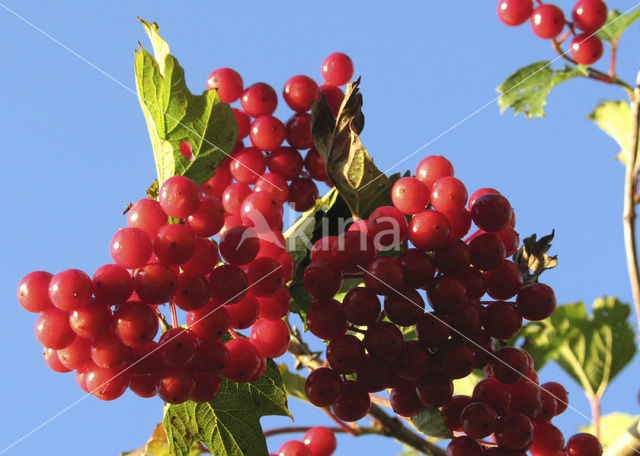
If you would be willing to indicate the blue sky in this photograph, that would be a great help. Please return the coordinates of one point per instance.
(77, 151)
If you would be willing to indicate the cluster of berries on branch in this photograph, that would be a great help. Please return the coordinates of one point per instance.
(548, 22)
(416, 354)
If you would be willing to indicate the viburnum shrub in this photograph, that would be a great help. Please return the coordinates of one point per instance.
(412, 282)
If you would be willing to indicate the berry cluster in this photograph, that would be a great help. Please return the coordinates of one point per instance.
(548, 21)
(104, 326)
(286, 181)
(317, 441)
(373, 346)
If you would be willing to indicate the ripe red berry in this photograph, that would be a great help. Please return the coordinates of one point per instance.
(586, 49)
(478, 420)
(487, 251)
(514, 431)
(320, 440)
(175, 384)
(293, 448)
(353, 402)
(337, 69)
(321, 280)
(179, 196)
(323, 387)
(514, 12)
(501, 320)
(404, 307)
(300, 92)
(536, 301)
(361, 306)
(91, 320)
(298, 131)
(326, 319)
(589, 15)
(53, 329)
(559, 394)
(77, 354)
(244, 360)
(432, 330)
(265, 276)
(448, 194)
(404, 400)
(239, 245)
(106, 384)
(70, 289)
(505, 281)
(270, 337)
(510, 365)
(384, 341)
(583, 444)
(315, 165)
(387, 227)
(345, 353)
(434, 389)
(51, 358)
(228, 83)
(135, 323)
(146, 214)
(428, 230)
(491, 212)
(209, 323)
(384, 276)
(248, 163)
(493, 393)
(112, 284)
(463, 446)
(547, 439)
(285, 161)
(303, 193)
(243, 121)
(547, 21)
(33, 292)
(261, 210)
(334, 96)
(275, 184)
(267, 133)
(259, 99)
(432, 168)
(409, 195)
(220, 180)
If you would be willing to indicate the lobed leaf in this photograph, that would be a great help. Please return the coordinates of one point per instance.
(174, 115)
(157, 445)
(615, 423)
(293, 383)
(527, 89)
(230, 424)
(591, 349)
(614, 117)
(616, 24)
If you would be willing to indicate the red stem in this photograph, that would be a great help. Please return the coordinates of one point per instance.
(236, 335)
(344, 426)
(174, 315)
(614, 55)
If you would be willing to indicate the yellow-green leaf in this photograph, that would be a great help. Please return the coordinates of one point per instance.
(614, 117)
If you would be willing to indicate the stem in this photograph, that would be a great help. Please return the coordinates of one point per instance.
(614, 55)
(294, 429)
(375, 399)
(174, 315)
(236, 335)
(355, 431)
(629, 214)
(595, 413)
(394, 427)
(163, 320)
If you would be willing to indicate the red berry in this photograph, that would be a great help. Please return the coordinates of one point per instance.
(53, 329)
(404, 307)
(70, 289)
(487, 251)
(434, 389)
(91, 320)
(175, 384)
(147, 215)
(303, 193)
(300, 92)
(275, 306)
(514, 431)
(514, 12)
(409, 195)
(244, 360)
(583, 445)
(243, 313)
(267, 133)
(559, 394)
(464, 446)
(448, 194)
(285, 161)
(493, 393)
(387, 227)
(428, 230)
(108, 351)
(135, 323)
(204, 258)
(384, 276)
(177, 346)
(432, 330)
(353, 402)
(265, 276)
(536, 301)
(155, 283)
(326, 319)
(501, 320)
(243, 121)
(209, 323)
(547, 440)
(510, 365)
(239, 245)
(77, 354)
(248, 163)
(337, 69)
(432, 168)
(233, 196)
(228, 283)
(491, 212)
(323, 387)
(478, 420)
(216, 185)
(33, 292)
(384, 341)
(262, 210)
(586, 49)
(259, 99)
(293, 448)
(361, 306)
(404, 400)
(275, 184)
(112, 284)
(321, 280)
(334, 96)
(589, 15)
(131, 248)
(505, 281)
(52, 360)
(271, 337)
(320, 440)
(547, 21)
(353, 250)
(345, 353)
(452, 411)
(179, 196)
(106, 384)
(299, 131)
(315, 165)
(228, 82)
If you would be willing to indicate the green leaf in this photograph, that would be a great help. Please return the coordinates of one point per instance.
(329, 217)
(230, 424)
(591, 349)
(174, 115)
(430, 421)
(465, 385)
(614, 117)
(293, 383)
(157, 445)
(362, 185)
(527, 89)
(616, 423)
(616, 24)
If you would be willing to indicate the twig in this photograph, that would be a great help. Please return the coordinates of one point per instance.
(595, 413)
(629, 214)
(295, 429)
(375, 399)
(352, 429)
